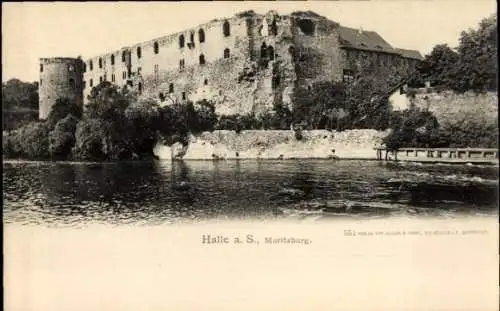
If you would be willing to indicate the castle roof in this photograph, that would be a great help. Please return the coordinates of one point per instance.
(413, 54)
(364, 40)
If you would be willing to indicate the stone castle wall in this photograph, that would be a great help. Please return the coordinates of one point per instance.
(59, 78)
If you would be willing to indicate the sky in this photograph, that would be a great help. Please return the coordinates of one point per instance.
(32, 30)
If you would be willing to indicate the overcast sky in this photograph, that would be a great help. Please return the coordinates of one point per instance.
(34, 30)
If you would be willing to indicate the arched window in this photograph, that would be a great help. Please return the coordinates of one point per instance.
(181, 41)
(171, 88)
(202, 59)
(91, 65)
(201, 35)
(139, 53)
(112, 59)
(41, 67)
(263, 50)
(156, 47)
(227, 53)
(226, 29)
(124, 56)
(270, 52)
(100, 62)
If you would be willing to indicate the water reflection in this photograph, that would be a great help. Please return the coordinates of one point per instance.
(165, 192)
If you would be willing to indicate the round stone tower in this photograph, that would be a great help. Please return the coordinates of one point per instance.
(60, 77)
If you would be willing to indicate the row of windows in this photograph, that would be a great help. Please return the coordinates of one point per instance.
(71, 68)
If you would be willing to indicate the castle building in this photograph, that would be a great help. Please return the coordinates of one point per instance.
(244, 64)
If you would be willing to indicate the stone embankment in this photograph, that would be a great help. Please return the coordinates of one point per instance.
(276, 144)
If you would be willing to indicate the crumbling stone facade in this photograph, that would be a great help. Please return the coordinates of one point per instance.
(59, 78)
(244, 64)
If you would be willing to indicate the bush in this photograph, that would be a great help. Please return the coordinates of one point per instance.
(62, 137)
(61, 109)
(31, 141)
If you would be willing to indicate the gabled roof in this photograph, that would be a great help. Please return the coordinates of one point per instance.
(363, 40)
(413, 54)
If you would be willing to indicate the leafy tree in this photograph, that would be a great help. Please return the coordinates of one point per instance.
(62, 137)
(33, 140)
(17, 94)
(89, 140)
(437, 67)
(62, 108)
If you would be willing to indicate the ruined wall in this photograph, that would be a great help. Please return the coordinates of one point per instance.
(59, 78)
(451, 108)
(275, 144)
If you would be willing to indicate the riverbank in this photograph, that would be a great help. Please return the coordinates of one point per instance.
(276, 144)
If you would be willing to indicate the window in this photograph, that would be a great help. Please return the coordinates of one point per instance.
(191, 37)
(263, 50)
(181, 65)
(139, 87)
(84, 84)
(91, 65)
(184, 95)
(205, 82)
(270, 52)
(162, 97)
(202, 59)
(72, 83)
(84, 67)
(40, 82)
(41, 67)
(113, 77)
(124, 75)
(91, 83)
(348, 76)
(181, 41)
(171, 88)
(156, 47)
(105, 77)
(139, 69)
(124, 56)
(156, 72)
(100, 62)
(226, 29)
(100, 79)
(139, 53)
(112, 59)
(201, 35)
(226, 53)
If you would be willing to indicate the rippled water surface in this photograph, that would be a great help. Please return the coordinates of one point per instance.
(163, 192)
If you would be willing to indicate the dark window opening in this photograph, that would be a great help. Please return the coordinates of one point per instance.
(130, 83)
(181, 65)
(306, 26)
(202, 59)
(156, 48)
(72, 83)
(162, 97)
(91, 83)
(100, 79)
(124, 57)
(40, 82)
(171, 88)
(41, 67)
(348, 76)
(112, 59)
(100, 62)
(227, 53)
(181, 41)
(84, 84)
(139, 52)
(139, 70)
(226, 29)
(308, 87)
(124, 75)
(205, 82)
(201, 35)
(184, 95)
(113, 77)
(273, 29)
(139, 87)
(84, 67)
(263, 50)
(270, 52)
(91, 65)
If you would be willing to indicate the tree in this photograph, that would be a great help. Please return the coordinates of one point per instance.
(33, 140)
(17, 94)
(438, 67)
(62, 137)
(62, 108)
(478, 63)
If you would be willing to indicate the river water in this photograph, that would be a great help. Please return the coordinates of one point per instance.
(161, 192)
